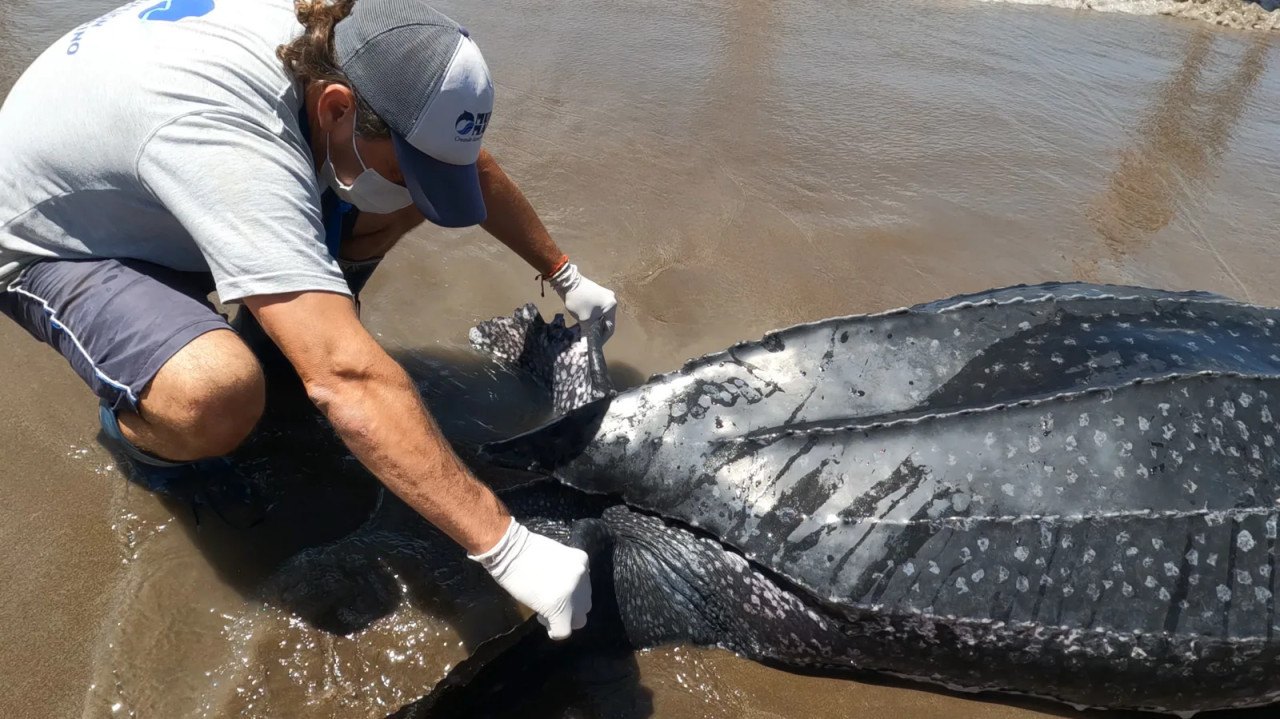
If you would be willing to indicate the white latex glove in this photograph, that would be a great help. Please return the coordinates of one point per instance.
(544, 575)
(587, 301)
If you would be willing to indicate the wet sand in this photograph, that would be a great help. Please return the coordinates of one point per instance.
(728, 168)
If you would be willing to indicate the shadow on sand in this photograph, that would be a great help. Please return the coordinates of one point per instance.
(296, 522)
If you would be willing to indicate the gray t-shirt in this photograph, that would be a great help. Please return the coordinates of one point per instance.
(167, 131)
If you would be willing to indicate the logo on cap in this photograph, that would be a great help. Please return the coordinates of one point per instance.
(472, 126)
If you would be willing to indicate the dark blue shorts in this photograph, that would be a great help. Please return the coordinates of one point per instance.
(119, 321)
(116, 321)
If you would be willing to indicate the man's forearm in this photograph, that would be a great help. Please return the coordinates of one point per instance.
(378, 414)
(512, 220)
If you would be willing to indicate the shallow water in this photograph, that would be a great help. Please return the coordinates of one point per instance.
(728, 168)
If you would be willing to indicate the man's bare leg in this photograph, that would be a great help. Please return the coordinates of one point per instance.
(202, 403)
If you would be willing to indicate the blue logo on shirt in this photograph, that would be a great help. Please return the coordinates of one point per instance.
(175, 10)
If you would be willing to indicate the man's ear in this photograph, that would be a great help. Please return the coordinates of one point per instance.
(335, 107)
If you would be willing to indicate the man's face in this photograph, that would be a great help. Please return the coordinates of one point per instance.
(337, 118)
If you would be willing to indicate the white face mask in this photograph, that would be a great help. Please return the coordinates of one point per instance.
(371, 192)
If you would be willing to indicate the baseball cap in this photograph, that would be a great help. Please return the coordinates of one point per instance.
(424, 76)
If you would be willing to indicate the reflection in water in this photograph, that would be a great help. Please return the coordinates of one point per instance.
(1179, 147)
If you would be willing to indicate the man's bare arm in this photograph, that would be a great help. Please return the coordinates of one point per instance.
(512, 220)
(376, 410)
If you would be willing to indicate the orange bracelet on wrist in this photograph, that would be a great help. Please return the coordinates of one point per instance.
(564, 260)
(542, 279)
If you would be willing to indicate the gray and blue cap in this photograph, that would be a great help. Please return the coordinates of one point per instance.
(424, 76)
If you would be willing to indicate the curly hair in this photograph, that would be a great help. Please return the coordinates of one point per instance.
(310, 57)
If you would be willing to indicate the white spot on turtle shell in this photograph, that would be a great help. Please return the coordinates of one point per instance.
(1021, 554)
(1084, 420)
(1144, 424)
(1245, 541)
(977, 576)
(1007, 489)
(1224, 594)
(1171, 569)
(1099, 437)
(1243, 577)
(1022, 584)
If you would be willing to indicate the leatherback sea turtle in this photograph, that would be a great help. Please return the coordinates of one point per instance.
(1067, 491)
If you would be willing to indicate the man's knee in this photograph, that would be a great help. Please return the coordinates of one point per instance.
(212, 392)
